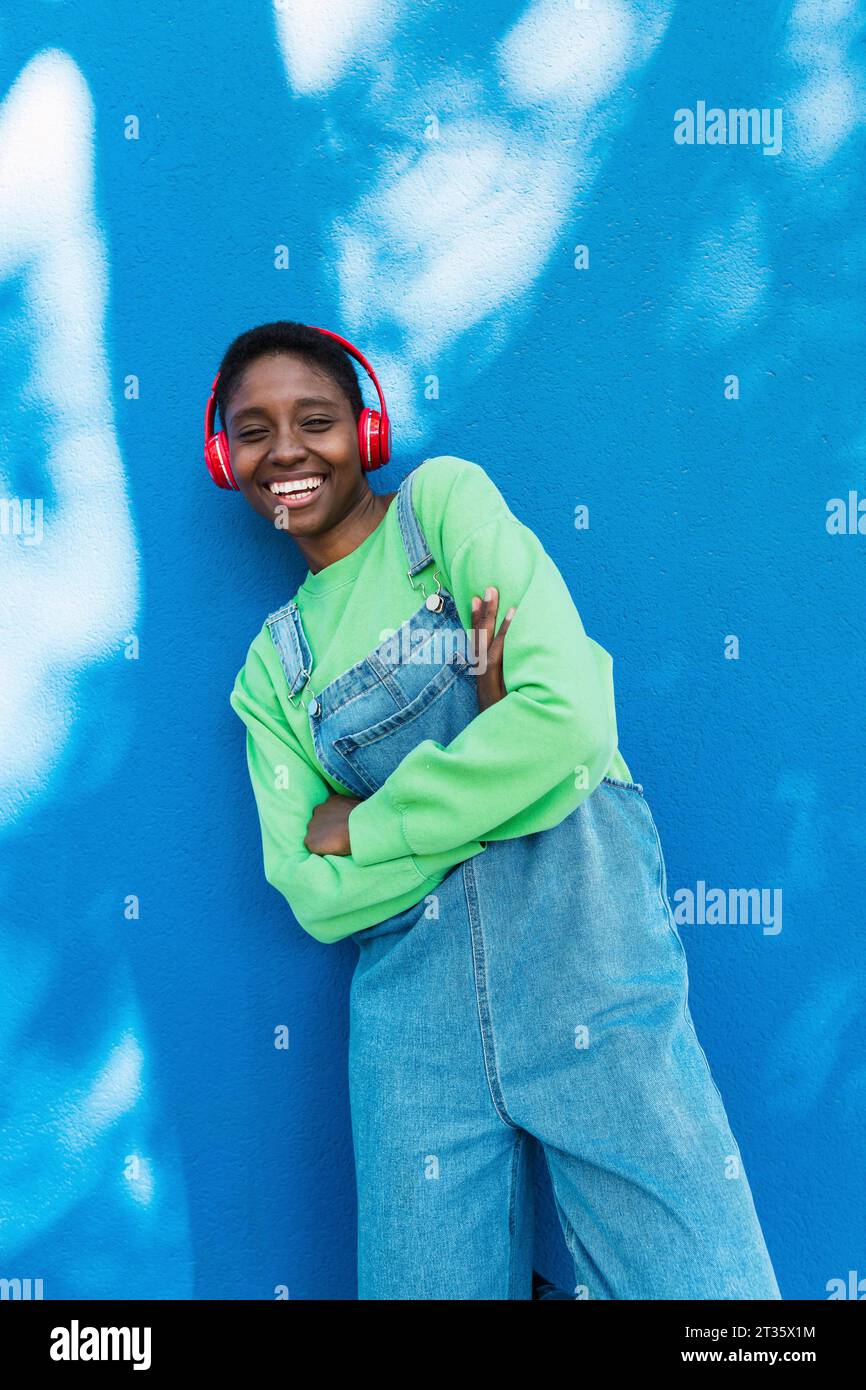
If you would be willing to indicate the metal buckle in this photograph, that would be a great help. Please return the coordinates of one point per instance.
(306, 674)
(434, 602)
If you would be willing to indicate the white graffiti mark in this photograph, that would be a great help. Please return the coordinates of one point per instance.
(479, 171)
(67, 600)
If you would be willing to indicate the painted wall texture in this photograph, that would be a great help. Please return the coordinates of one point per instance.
(613, 252)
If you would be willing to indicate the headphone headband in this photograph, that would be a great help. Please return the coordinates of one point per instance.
(344, 342)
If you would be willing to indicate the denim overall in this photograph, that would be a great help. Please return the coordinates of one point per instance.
(534, 1003)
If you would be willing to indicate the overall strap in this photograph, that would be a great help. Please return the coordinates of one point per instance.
(414, 541)
(287, 634)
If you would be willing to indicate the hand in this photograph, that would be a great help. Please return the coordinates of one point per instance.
(491, 682)
(328, 826)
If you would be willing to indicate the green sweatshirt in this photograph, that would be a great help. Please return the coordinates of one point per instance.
(520, 766)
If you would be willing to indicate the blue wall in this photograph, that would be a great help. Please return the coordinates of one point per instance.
(432, 173)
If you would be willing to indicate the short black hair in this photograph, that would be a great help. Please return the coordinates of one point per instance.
(271, 339)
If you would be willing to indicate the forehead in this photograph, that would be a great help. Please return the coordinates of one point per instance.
(282, 378)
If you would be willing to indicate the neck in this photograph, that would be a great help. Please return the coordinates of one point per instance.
(347, 533)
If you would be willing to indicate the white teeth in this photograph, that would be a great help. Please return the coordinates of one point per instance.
(296, 485)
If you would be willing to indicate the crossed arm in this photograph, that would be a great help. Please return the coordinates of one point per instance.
(510, 770)
(328, 826)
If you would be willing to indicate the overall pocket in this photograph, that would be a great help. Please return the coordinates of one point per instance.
(658, 855)
(417, 685)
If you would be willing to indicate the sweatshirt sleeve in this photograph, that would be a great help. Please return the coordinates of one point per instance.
(557, 719)
(330, 895)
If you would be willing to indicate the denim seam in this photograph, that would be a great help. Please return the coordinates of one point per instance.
(478, 970)
(279, 612)
(627, 786)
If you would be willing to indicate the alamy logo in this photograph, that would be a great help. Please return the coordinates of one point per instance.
(20, 1288)
(22, 516)
(739, 125)
(853, 1287)
(408, 645)
(720, 906)
(847, 518)
(75, 1343)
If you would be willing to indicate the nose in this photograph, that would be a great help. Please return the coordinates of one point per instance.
(286, 447)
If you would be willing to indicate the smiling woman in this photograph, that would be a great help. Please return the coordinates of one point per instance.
(520, 988)
(299, 437)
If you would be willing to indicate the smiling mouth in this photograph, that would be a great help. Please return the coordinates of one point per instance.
(294, 492)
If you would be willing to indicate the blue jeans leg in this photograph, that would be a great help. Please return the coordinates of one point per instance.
(444, 1181)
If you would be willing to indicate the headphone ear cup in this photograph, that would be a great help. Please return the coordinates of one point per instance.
(374, 441)
(216, 455)
(366, 441)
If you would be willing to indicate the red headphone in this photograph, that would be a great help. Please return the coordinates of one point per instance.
(374, 428)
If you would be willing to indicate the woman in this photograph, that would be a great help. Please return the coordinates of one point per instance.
(457, 804)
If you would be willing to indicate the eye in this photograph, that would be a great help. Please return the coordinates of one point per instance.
(321, 421)
(254, 433)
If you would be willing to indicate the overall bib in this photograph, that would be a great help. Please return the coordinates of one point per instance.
(535, 1002)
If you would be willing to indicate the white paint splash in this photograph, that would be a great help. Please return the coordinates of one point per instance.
(319, 41)
(727, 276)
(479, 172)
(827, 101)
(573, 54)
(67, 601)
(112, 1093)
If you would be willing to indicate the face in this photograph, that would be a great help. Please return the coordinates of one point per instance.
(288, 423)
